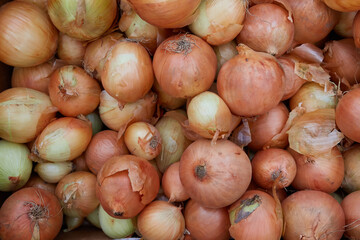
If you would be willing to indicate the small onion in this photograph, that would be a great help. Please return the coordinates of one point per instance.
(356, 30)
(94, 217)
(28, 37)
(224, 53)
(63, 139)
(344, 27)
(161, 220)
(171, 183)
(351, 181)
(352, 215)
(38, 182)
(165, 100)
(206, 223)
(71, 50)
(96, 123)
(15, 165)
(53, 172)
(343, 5)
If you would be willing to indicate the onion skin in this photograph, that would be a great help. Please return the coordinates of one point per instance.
(312, 214)
(40, 3)
(251, 74)
(222, 170)
(352, 214)
(71, 50)
(224, 53)
(206, 223)
(344, 27)
(184, 65)
(356, 30)
(80, 164)
(28, 38)
(343, 5)
(351, 179)
(53, 172)
(36, 182)
(172, 186)
(167, 101)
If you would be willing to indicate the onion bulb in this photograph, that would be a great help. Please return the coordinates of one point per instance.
(165, 100)
(161, 220)
(351, 181)
(344, 27)
(85, 19)
(343, 5)
(80, 164)
(94, 217)
(28, 38)
(352, 215)
(172, 186)
(53, 172)
(15, 165)
(73, 223)
(224, 53)
(37, 182)
(222, 171)
(96, 123)
(71, 50)
(356, 30)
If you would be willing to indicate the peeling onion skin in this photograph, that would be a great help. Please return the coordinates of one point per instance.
(350, 205)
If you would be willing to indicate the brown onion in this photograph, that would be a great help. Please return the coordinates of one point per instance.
(267, 28)
(206, 223)
(73, 91)
(224, 53)
(125, 185)
(80, 163)
(37, 182)
(184, 65)
(251, 83)
(104, 145)
(222, 171)
(172, 186)
(356, 30)
(352, 215)
(165, 100)
(71, 50)
(343, 5)
(351, 181)
(344, 27)
(312, 214)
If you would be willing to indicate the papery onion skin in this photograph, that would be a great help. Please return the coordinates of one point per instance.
(73, 91)
(84, 20)
(24, 113)
(351, 181)
(37, 182)
(30, 213)
(40, 3)
(172, 186)
(267, 28)
(161, 220)
(53, 172)
(28, 38)
(222, 170)
(184, 65)
(343, 5)
(352, 215)
(206, 223)
(103, 146)
(312, 214)
(356, 30)
(167, 101)
(71, 50)
(127, 74)
(247, 75)
(344, 27)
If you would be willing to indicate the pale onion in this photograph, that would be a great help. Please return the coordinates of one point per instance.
(344, 27)
(143, 140)
(40, 3)
(94, 217)
(167, 101)
(351, 181)
(174, 142)
(312, 97)
(15, 165)
(214, 26)
(117, 116)
(356, 30)
(63, 139)
(161, 220)
(343, 5)
(71, 50)
(73, 91)
(24, 113)
(168, 13)
(352, 215)
(96, 123)
(224, 53)
(73, 223)
(116, 228)
(76, 193)
(28, 38)
(84, 19)
(172, 186)
(38, 182)
(267, 28)
(96, 51)
(53, 172)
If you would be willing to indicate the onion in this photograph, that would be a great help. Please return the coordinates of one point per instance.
(28, 37)
(343, 5)
(36, 182)
(127, 74)
(222, 171)
(96, 123)
(80, 163)
(117, 116)
(116, 228)
(351, 181)
(171, 183)
(348, 115)
(311, 28)
(352, 215)
(167, 14)
(312, 214)
(15, 165)
(312, 97)
(272, 164)
(206, 223)
(143, 140)
(224, 53)
(73, 91)
(214, 26)
(264, 127)
(323, 172)
(344, 27)
(76, 193)
(96, 51)
(125, 185)
(184, 65)
(71, 50)
(103, 146)
(73, 223)
(53, 172)
(247, 75)
(167, 101)
(255, 216)
(24, 113)
(161, 220)
(267, 28)
(94, 217)
(63, 139)
(30, 213)
(40, 3)
(85, 19)
(356, 30)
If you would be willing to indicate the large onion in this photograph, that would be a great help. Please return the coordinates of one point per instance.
(352, 215)
(343, 5)
(351, 181)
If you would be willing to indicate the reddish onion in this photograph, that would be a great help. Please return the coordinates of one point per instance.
(351, 208)
(222, 171)
(172, 186)
(36, 182)
(206, 223)
(312, 214)
(104, 145)
(73, 91)
(125, 185)
(184, 65)
(247, 75)
(80, 163)
(343, 5)
(344, 27)
(30, 213)
(351, 181)
(356, 30)
(40, 3)
(71, 50)
(165, 100)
